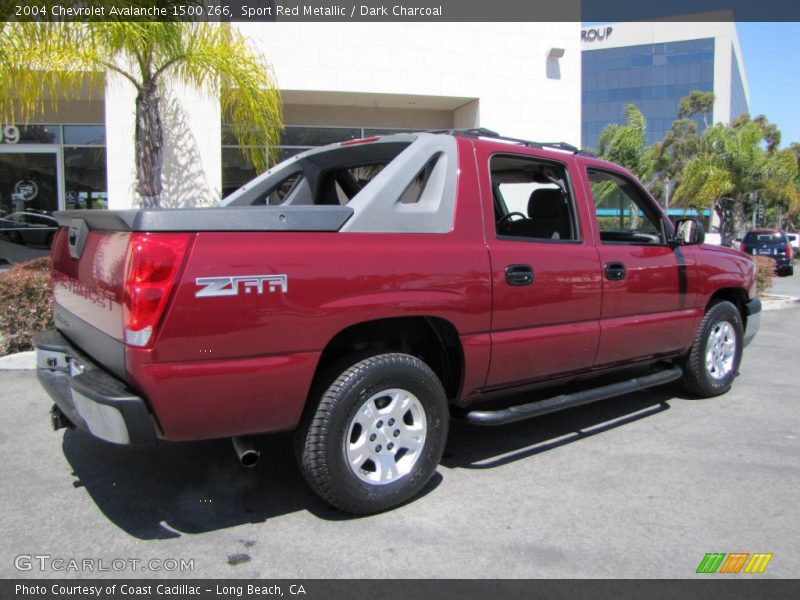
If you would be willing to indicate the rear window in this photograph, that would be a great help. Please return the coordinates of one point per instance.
(764, 237)
(333, 177)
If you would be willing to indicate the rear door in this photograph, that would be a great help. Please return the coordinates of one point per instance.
(545, 271)
(648, 309)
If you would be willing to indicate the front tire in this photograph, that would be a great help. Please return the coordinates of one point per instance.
(713, 362)
(377, 434)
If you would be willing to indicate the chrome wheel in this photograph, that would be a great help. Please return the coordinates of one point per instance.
(385, 437)
(720, 350)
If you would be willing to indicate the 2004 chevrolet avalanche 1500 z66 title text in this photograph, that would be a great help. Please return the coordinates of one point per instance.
(362, 294)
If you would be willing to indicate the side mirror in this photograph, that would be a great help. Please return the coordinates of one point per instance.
(689, 231)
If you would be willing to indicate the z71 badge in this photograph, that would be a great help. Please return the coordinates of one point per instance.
(230, 286)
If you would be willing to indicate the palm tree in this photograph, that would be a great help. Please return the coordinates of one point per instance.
(54, 59)
(736, 162)
(625, 144)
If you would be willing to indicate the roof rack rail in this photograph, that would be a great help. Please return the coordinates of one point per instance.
(482, 132)
(471, 132)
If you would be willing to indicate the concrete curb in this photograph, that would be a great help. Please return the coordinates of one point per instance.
(781, 303)
(19, 361)
(27, 360)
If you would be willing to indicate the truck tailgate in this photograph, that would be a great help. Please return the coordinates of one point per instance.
(114, 270)
(89, 292)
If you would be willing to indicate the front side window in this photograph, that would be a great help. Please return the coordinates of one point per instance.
(624, 214)
(531, 199)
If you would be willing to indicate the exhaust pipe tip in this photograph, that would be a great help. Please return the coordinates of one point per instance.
(59, 420)
(246, 451)
(249, 458)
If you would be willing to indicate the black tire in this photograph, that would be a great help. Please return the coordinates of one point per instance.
(708, 381)
(323, 437)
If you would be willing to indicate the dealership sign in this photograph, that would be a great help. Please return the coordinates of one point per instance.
(26, 189)
(596, 34)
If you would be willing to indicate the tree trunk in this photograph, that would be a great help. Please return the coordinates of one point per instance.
(149, 146)
(740, 221)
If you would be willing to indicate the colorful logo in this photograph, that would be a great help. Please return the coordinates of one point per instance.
(735, 562)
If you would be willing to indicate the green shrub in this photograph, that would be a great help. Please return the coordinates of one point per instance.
(26, 301)
(765, 273)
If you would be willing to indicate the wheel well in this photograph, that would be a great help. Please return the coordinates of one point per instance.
(432, 340)
(736, 296)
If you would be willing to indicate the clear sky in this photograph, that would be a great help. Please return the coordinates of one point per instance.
(771, 53)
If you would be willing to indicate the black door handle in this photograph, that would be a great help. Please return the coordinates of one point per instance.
(519, 274)
(615, 271)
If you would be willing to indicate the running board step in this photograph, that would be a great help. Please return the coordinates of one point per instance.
(543, 407)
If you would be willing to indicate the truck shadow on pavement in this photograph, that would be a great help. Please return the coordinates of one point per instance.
(188, 488)
(184, 488)
(476, 447)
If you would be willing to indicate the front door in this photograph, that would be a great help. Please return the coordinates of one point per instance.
(647, 307)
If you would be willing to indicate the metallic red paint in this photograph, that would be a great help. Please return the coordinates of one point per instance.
(235, 365)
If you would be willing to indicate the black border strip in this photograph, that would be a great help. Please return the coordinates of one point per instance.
(402, 10)
(711, 587)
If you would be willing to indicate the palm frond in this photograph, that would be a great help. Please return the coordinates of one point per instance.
(221, 62)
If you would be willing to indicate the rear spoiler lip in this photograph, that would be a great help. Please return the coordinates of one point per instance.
(229, 218)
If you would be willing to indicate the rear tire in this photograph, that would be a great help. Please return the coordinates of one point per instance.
(377, 434)
(713, 362)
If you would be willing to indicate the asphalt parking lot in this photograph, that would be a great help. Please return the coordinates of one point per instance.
(639, 486)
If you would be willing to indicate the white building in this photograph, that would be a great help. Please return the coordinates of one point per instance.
(338, 80)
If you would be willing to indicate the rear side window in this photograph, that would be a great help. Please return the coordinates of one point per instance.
(532, 200)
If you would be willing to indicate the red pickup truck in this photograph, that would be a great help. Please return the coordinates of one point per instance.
(364, 293)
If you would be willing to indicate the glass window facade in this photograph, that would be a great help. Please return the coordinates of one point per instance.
(85, 177)
(654, 77)
(85, 135)
(738, 99)
(28, 182)
(30, 134)
(30, 159)
(44, 168)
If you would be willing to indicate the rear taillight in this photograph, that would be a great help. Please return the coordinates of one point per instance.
(153, 264)
(788, 250)
(742, 247)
